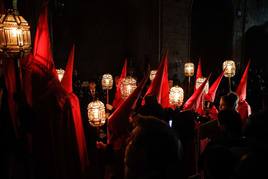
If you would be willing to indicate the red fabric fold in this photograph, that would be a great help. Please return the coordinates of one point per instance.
(198, 72)
(42, 47)
(210, 96)
(118, 122)
(66, 83)
(67, 80)
(159, 86)
(117, 99)
(191, 103)
(79, 131)
(242, 87)
(243, 107)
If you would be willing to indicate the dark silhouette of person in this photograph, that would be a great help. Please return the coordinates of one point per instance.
(152, 108)
(219, 163)
(229, 101)
(152, 151)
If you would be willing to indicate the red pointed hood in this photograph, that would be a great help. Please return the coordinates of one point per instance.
(117, 98)
(67, 80)
(118, 122)
(242, 87)
(213, 89)
(198, 72)
(191, 102)
(42, 47)
(159, 86)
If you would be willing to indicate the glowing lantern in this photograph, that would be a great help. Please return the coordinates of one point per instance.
(229, 68)
(199, 82)
(127, 86)
(152, 74)
(15, 35)
(188, 69)
(96, 113)
(176, 95)
(107, 82)
(60, 73)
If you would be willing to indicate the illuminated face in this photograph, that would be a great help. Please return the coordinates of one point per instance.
(92, 85)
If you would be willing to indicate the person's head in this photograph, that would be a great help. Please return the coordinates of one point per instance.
(152, 151)
(92, 85)
(229, 101)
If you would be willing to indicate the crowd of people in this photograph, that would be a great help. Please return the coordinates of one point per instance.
(172, 143)
(45, 133)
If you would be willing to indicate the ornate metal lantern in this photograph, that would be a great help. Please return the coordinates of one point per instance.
(229, 68)
(60, 73)
(188, 69)
(107, 82)
(127, 86)
(199, 82)
(15, 35)
(96, 113)
(176, 96)
(152, 74)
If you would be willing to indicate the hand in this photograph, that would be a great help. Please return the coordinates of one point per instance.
(109, 107)
(100, 145)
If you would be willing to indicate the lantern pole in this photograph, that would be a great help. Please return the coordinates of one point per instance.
(189, 85)
(230, 84)
(107, 96)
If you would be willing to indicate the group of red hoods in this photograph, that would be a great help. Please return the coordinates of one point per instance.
(57, 139)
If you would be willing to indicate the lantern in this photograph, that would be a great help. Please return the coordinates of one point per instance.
(107, 82)
(96, 113)
(127, 86)
(152, 74)
(15, 36)
(188, 69)
(60, 73)
(229, 68)
(176, 95)
(199, 82)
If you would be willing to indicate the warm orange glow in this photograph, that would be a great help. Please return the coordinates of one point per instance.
(152, 74)
(176, 96)
(127, 86)
(189, 69)
(15, 35)
(229, 68)
(107, 82)
(96, 113)
(60, 73)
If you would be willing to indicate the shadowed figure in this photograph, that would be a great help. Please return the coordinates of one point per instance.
(153, 151)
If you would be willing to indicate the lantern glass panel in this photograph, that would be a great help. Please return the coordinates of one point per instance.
(229, 68)
(127, 86)
(107, 82)
(176, 96)
(96, 113)
(188, 69)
